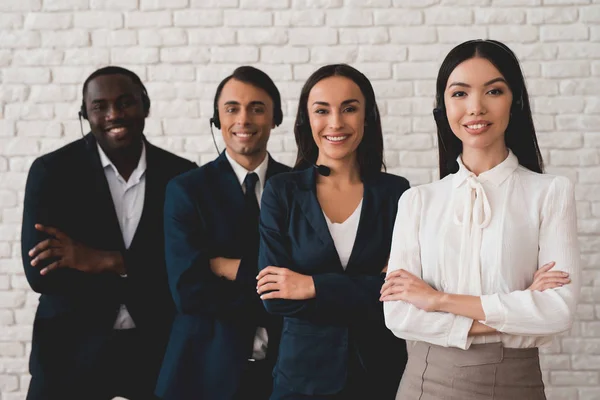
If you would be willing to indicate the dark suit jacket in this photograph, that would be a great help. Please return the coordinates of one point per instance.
(67, 189)
(216, 319)
(346, 315)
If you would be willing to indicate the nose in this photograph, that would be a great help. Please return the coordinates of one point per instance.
(476, 105)
(335, 120)
(113, 112)
(242, 117)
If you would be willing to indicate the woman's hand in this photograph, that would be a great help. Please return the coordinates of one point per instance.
(545, 279)
(282, 283)
(402, 285)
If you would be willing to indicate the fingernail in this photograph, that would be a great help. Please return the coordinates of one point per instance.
(565, 274)
(33, 262)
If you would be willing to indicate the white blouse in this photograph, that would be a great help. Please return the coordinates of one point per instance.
(344, 234)
(486, 236)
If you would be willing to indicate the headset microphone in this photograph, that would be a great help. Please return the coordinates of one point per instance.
(211, 122)
(322, 169)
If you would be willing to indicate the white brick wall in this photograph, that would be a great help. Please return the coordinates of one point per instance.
(183, 48)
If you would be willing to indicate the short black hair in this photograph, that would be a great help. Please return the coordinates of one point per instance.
(115, 70)
(520, 133)
(257, 78)
(369, 153)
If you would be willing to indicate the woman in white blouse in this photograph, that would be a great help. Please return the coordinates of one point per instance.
(466, 248)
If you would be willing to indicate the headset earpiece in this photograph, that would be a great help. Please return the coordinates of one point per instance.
(215, 118)
(83, 111)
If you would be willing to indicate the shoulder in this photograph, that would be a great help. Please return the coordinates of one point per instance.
(171, 161)
(548, 184)
(277, 167)
(391, 181)
(287, 180)
(66, 159)
(195, 178)
(65, 153)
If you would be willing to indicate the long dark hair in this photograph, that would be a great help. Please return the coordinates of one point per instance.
(520, 133)
(370, 150)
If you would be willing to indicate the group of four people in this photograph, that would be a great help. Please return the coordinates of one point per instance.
(243, 279)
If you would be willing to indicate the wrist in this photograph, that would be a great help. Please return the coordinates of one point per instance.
(113, 262)
(441, 301)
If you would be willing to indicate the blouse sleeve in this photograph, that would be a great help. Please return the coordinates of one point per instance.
(549, 312)
(403, 319)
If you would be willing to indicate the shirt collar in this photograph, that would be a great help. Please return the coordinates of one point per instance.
(496, 175)
(241, 172)
(137, 173)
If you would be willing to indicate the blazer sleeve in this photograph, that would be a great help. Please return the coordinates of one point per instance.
(527, 312)
(403, 319)
(41, 205)
(194, 287)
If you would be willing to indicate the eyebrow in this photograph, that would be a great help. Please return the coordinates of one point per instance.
(121, 97)
(324, 103)
(252, 103)
(499, 79)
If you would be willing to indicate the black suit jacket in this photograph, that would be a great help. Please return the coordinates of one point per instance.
(216, 319)
(67, 189)
(346, 315)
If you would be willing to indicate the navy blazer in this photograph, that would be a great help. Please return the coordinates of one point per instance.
(67, 189)
(346, 313)
(213, 332)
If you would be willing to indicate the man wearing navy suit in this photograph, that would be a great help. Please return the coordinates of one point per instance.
(93, 247)
(223, 344)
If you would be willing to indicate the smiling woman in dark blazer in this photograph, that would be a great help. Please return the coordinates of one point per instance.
(325, 240)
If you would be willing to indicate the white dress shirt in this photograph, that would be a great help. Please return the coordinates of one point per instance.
(261, 339)
(344, 234)
(128, 199)
(486, 236)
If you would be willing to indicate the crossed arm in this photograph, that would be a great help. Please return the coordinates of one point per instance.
(415, 311)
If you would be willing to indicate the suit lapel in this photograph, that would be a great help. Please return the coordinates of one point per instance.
(230, 186)
(307, 199)
(103, 207)
(367, 224)
(153, 193)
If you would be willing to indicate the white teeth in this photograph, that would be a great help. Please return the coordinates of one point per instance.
(244, 135)
(117, 130)
(476, 126)
(336, 138)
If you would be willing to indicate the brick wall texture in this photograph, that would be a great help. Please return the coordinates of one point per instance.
(183, 48)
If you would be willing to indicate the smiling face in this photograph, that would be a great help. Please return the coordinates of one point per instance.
(478, 102)
(115, 111)
(246, 116)
(336, 109)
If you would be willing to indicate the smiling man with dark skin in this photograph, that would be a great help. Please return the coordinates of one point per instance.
(93, 247)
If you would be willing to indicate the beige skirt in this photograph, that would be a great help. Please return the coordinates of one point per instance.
(485, 371)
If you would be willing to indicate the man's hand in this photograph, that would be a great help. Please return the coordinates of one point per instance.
(282, 283)
(225, 267)
(71, 254)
